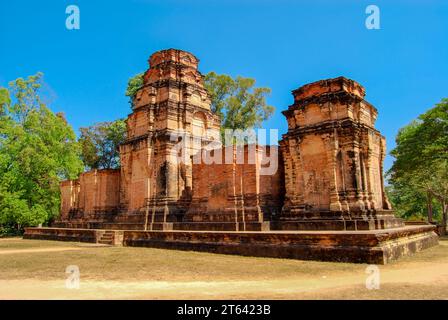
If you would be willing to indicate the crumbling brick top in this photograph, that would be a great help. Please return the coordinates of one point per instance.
(173, 56)
(345, 96)
(173, 65)
(328, 86)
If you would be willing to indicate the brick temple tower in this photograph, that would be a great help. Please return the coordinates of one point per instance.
(334, 160)
(172, 102)
(327, 179)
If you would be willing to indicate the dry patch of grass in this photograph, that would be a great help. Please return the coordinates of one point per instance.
(126, 272)
(127, 264)
(17, 243)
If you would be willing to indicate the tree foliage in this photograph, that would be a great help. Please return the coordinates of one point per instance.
(134, 84)
(5, 100)
(37, 150)
(420, 170)
(100, 142)
(410, 202)
(237, 101)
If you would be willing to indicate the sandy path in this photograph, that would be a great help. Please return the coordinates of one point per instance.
(435, 274)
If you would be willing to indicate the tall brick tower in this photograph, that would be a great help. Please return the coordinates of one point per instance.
(334, 160)
(171, 102)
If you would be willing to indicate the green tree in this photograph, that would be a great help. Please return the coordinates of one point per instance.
(421, 165)
(237, 101)
(100, 142)
(37, 150)
(5, 100)
(134, 84)
(411, 202)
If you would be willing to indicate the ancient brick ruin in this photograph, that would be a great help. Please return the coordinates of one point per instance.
(325, 200)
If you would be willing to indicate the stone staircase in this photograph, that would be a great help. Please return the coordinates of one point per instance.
(108, 238)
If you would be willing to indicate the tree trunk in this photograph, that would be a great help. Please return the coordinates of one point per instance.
(429, 199)
(444, 217)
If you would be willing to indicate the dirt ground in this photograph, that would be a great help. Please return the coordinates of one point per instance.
(32, 269)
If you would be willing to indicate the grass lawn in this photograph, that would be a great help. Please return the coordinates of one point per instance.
(36, 269)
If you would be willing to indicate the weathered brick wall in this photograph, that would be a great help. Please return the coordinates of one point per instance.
(94, 192)
(223, 188)
(135, 173)
(69, 197)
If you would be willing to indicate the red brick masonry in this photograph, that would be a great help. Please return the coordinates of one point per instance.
(325, 200)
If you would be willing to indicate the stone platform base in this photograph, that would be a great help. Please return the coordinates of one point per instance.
(374, 247)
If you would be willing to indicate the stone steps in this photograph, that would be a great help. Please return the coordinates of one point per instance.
(108, 238)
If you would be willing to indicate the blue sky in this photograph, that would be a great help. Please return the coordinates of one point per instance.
(283, 44)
